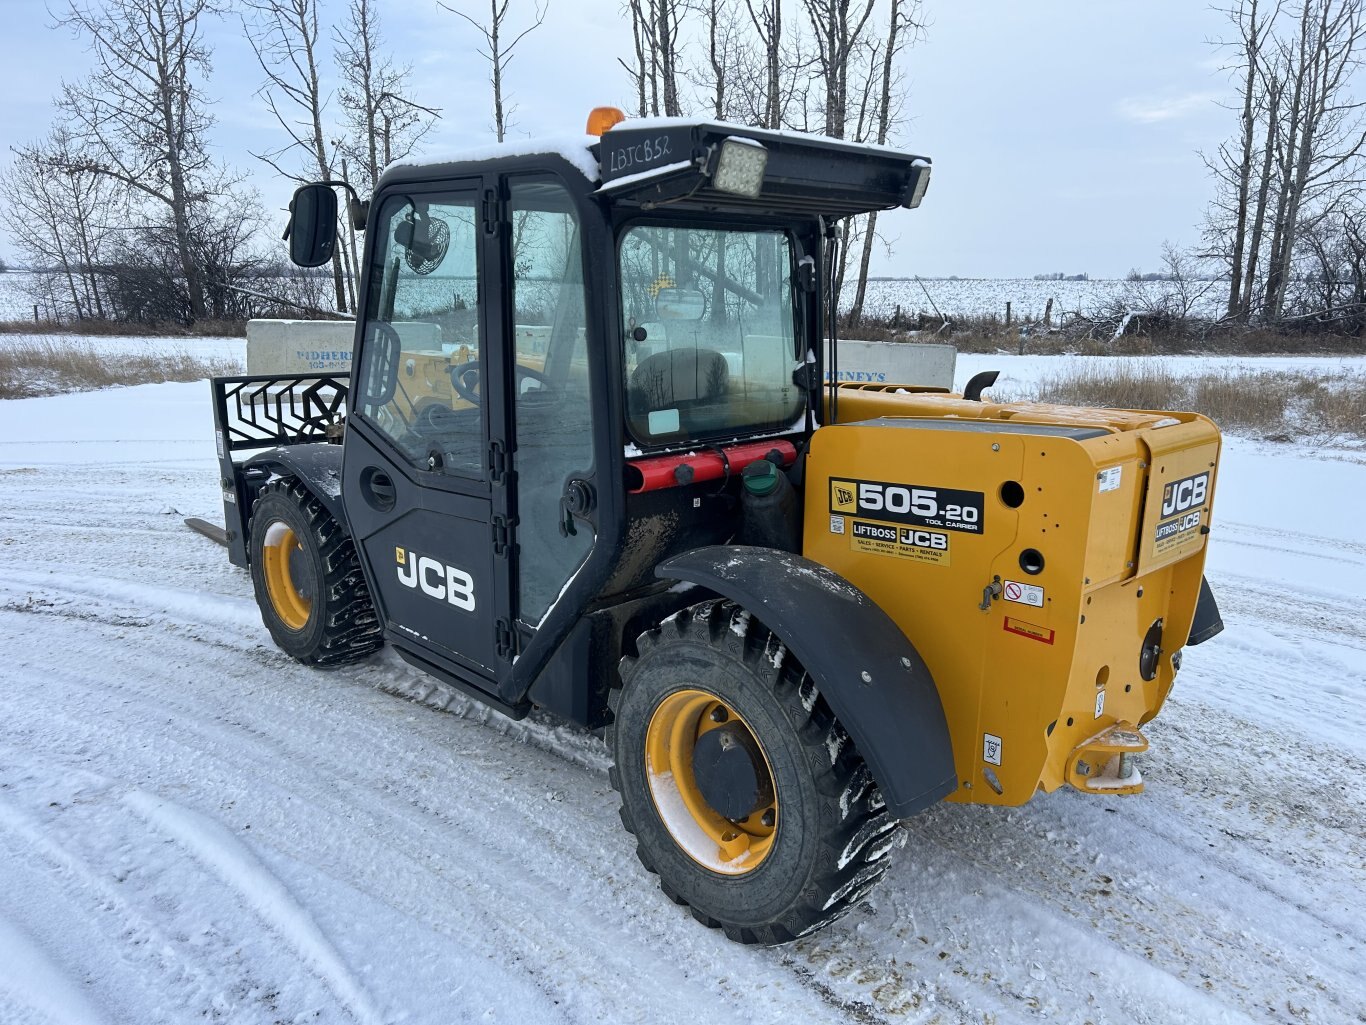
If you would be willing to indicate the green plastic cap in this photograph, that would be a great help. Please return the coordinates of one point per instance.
(760, 477)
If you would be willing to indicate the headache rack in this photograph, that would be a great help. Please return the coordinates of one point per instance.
(262, 412)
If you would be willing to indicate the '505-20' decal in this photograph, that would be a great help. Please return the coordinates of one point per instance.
(913, 504)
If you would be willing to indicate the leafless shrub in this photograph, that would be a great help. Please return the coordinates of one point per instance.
(50, 366)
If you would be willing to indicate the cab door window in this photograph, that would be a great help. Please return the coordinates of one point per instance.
(553, 404)
(419, 369)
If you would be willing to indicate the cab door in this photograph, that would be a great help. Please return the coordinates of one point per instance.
(424, 486)
(552, 402)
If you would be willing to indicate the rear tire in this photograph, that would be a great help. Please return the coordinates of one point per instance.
(816, 836)
(307, 579)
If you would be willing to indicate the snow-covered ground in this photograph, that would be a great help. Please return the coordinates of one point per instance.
(195, 828)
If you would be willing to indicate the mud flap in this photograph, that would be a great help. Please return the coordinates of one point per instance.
(872, 677)
(1207, 622)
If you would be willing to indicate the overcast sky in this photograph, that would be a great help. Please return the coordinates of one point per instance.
(1064, 133)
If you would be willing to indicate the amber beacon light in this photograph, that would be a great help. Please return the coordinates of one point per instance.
(602, 118)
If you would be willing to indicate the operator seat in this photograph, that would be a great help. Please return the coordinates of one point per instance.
(677, 377)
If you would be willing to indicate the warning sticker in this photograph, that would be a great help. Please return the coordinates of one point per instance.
(837, 524)
(1100, 703)
(1110, 478)
(930, 546)
(1034, 633)
(991, 749)
(1023, 594)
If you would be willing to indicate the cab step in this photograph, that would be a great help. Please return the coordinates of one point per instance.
(1102, 765)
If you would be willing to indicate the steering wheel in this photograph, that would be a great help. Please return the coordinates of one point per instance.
(465, 379)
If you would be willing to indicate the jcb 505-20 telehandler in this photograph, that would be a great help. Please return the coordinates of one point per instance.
(587, 460)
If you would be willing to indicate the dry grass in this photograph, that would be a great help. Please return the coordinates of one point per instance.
(50, 366)
(120, 328)
(1277, 405)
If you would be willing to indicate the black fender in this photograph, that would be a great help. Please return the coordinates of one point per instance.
(1207, 622)
(874, 680)
(317, 465)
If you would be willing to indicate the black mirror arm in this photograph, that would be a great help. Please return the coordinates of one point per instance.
(356, 208)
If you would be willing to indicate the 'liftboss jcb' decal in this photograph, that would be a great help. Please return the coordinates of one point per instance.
(435, 579)
(912, 504)
(1181, 512)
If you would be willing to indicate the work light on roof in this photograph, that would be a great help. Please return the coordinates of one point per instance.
(740, 167)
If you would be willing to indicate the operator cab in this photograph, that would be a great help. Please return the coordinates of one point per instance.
(566, 356)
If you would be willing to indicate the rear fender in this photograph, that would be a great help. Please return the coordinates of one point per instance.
(872, 677)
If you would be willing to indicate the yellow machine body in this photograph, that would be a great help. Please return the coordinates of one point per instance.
(1046, 562)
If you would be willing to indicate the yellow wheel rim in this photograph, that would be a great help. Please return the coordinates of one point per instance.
(714, 842)
(292, 606)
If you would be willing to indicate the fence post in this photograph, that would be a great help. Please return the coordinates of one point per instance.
(1007, 313)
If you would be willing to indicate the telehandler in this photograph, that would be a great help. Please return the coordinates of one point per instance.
(590, 460)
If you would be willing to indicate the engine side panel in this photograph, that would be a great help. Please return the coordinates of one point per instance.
(1022, 560)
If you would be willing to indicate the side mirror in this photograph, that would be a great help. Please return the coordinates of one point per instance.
(312, 230)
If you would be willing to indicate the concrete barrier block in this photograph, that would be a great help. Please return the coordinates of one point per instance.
(929, 364)
(299, 346)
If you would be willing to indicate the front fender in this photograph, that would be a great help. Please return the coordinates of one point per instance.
(872, 677)
(316, 465)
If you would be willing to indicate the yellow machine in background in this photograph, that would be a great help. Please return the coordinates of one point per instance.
(1074, 537)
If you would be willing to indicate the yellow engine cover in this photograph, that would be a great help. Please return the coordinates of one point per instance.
(1031, 553)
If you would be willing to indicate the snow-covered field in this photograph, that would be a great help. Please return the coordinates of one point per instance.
(956, 297)
(195, 828)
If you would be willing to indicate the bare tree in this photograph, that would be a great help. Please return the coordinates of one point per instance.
(655, 29)
(1237, 166)
(838, 27)
(767, 20)
(284, 35)
(140, 119)
(903, 27)
(57, 212)
(1324, 132)
(499, 52)
(382, 124)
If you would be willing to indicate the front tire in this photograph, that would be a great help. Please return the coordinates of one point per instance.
(307, 579)
(745, 794)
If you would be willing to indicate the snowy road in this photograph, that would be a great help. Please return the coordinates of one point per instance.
(195, 828)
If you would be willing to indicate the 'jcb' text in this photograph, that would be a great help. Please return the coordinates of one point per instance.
(435, 579)
(1184, 494)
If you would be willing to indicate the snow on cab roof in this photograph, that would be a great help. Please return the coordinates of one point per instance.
(661, 123)
(574, 149)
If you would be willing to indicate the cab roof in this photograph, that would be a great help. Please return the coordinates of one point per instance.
(651, 162)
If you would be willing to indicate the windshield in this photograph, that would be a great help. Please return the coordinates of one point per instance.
(710, 337)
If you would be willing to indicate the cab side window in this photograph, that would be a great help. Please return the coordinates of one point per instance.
(419, 371)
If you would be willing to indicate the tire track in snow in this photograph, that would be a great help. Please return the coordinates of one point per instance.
(233, 862)
(616, 912)
(35, 980)
(100, 884)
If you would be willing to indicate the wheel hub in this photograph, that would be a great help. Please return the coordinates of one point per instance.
(707, 789)
(730, 772)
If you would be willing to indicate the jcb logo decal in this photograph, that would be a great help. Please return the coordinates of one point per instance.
(435, 579)
(842, 497)
(1184, 494)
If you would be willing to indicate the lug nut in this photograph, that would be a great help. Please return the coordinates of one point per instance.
(767, 818)
(719, 714)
